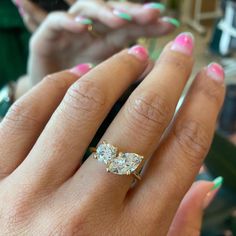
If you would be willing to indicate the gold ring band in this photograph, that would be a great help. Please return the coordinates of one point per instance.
(116, 162)
(93, 32)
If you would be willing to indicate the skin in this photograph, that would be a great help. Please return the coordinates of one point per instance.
(45, 190)
(74, 44)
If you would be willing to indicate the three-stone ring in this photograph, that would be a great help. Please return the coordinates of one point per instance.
(118, 163)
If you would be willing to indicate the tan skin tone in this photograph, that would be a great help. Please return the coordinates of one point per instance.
(46, 191)
(61, 42)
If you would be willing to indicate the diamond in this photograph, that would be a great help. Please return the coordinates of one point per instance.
(106, 152)
(125, 163)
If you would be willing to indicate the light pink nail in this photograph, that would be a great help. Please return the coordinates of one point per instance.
(184, 43)
(81, 69)
(18, 2)
(140, 52)
(216, 72)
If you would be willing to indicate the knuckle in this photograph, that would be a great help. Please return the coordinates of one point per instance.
(56, 82)
(193, 139)
(149, 110)
(22, 117)
(177, 62)
(212, 91)
(84, 97)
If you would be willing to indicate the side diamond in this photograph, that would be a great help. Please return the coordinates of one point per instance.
(106, 152)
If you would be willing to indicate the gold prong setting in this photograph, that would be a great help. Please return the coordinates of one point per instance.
(119, 163)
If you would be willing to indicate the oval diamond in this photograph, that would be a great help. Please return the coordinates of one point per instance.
(125, 163)
(106, 152)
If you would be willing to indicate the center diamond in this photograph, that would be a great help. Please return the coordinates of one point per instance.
(125, 163)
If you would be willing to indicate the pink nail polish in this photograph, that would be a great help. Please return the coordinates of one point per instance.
(81, 69)
(18, 2)
(184, 43)
(216, 72)
(140, 52)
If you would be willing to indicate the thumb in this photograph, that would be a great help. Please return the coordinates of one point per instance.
(188, 219)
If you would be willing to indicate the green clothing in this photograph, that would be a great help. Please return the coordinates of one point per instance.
(14, 40)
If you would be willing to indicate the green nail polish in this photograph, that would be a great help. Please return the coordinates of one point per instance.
(172, 21)
(154, 5)
(217, 183)
(122, 15)
(84, 21)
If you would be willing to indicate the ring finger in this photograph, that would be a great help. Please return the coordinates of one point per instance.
(140, 124)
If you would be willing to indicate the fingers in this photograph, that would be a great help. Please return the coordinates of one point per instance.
(179, 158)
(97, 10)
(142, 14)
(81, 112)
(35, 12)
(54, 24)
(120, 37)
(27, 117)
(188, 218)
(140, 124)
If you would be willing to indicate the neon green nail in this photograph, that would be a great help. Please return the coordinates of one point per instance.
(217, 183)
(155, 5)
(172, 21)
(84, 21)
(122, 15)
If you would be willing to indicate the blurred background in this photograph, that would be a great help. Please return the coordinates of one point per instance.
(213, 24)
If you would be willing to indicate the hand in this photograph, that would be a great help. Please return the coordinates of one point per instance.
(45, 190)
(188, 219)
(63, 39)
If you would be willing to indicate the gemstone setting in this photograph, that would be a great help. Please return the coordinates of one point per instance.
(118, 163)
(125, 164)
(106, 152)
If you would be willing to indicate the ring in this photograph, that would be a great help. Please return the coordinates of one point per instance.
(118, 163)
(93, 32)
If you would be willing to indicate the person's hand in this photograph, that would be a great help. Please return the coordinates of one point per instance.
(188, 219)
(46, 190)
(64, 40)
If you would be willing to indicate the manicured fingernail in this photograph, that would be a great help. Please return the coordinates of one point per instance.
(154, 5)
(122, 15)
(18, 3)
(21, 11)
(184, 43)
(217, 182)
(140, 52)
(172, 21)
(84, 21)
(82, 69)
(213, 191)
(216, 72)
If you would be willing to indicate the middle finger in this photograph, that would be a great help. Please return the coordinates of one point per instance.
(141, 122)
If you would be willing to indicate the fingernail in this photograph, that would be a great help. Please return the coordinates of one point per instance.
(216, 72)
(154, 5)
(184, 43)
(213, 191)
(217, 182)
(140, 52)
(122, 15)
(21, 11)
(172, 21)
(84, 21)
(82, 69)
(18, 3)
